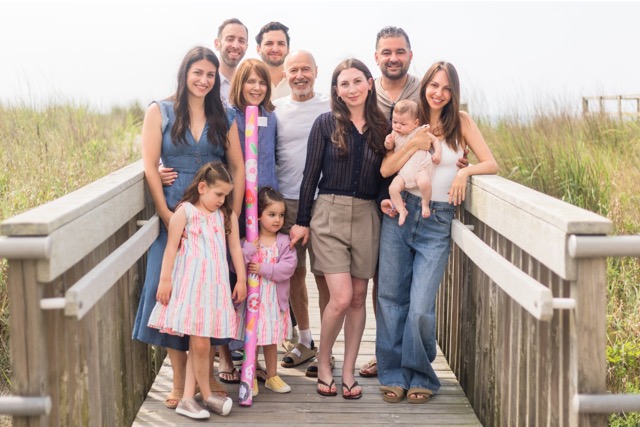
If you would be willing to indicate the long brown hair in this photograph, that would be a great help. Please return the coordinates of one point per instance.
(210, 174)
(375, 122)
(214, 111)
(450, 117)
(236, 97)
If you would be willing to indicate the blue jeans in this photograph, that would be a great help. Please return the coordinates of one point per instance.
(412, 261)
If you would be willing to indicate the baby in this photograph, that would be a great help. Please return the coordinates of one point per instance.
(417, 171)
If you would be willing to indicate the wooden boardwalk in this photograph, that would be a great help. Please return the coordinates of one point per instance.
(303, 406)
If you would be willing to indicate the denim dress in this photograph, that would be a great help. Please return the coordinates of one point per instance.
(185, 159)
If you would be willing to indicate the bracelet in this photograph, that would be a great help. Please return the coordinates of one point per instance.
(404, 148)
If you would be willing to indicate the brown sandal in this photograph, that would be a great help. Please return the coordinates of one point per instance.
(173, 399)
(419, 395)
(369, 369)
(392, 394)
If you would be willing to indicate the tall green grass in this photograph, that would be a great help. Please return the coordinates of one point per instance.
(47, 153)
(592, 162)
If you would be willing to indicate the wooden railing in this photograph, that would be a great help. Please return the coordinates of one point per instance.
(521, 312)
(602, 101)
(73, 281)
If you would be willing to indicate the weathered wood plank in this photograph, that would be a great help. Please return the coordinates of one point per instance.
(544, 359)
(588, 337)
(303, 406)
(45, 219)
(97, 225)
(17, 327)
(529, 293)
(510, 208)
(568, 218)
(88, 290)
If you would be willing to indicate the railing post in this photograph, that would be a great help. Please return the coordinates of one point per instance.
(601, 104)
(588, 336)
(620, 107)
(28, 342)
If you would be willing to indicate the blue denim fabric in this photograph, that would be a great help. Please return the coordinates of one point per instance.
(186, 159)
(412, 261)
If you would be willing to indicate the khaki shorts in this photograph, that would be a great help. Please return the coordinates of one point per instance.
(345, 236)
(289, 221)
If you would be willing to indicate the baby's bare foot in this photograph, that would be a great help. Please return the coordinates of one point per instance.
(402, 216)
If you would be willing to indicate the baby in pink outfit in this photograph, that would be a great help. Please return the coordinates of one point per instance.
(417, 171)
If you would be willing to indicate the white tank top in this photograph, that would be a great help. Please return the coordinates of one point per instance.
(443, 174)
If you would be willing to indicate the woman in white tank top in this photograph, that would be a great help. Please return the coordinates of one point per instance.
(413, 256)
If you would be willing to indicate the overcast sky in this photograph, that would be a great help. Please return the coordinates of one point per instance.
(511, 56)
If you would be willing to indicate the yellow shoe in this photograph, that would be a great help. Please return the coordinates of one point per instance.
(276, 384)
(255, 390)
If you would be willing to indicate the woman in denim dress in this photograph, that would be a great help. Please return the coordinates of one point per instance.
(185, 131)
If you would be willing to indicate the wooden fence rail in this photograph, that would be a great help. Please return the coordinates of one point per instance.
(619, 99)
(528, 346)
(82, 368)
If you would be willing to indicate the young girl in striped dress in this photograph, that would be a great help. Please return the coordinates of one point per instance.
(275, 266)
(194, 296)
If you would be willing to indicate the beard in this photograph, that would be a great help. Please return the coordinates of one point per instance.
(302, 92)
(231, 62)
(271, 63)
(395, 76)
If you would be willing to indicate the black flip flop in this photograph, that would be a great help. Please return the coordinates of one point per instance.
(326, 393)
(351, 396)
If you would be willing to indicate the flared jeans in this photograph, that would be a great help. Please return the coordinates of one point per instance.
(412, 261)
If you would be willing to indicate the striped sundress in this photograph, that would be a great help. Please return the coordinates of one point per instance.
(200, 302)
(273, 324)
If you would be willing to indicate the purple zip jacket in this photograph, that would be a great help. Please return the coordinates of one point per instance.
(281, 271)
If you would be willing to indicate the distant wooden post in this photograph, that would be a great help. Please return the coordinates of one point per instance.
(585, 105)
(619, 107)
(601, 104)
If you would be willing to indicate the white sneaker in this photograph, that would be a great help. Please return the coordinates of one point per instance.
(190, 408)
(218, 404)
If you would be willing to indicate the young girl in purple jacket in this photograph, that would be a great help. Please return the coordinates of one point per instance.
(275, 266)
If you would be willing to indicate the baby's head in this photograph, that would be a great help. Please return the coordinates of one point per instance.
(271, 209)
(405, 116)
